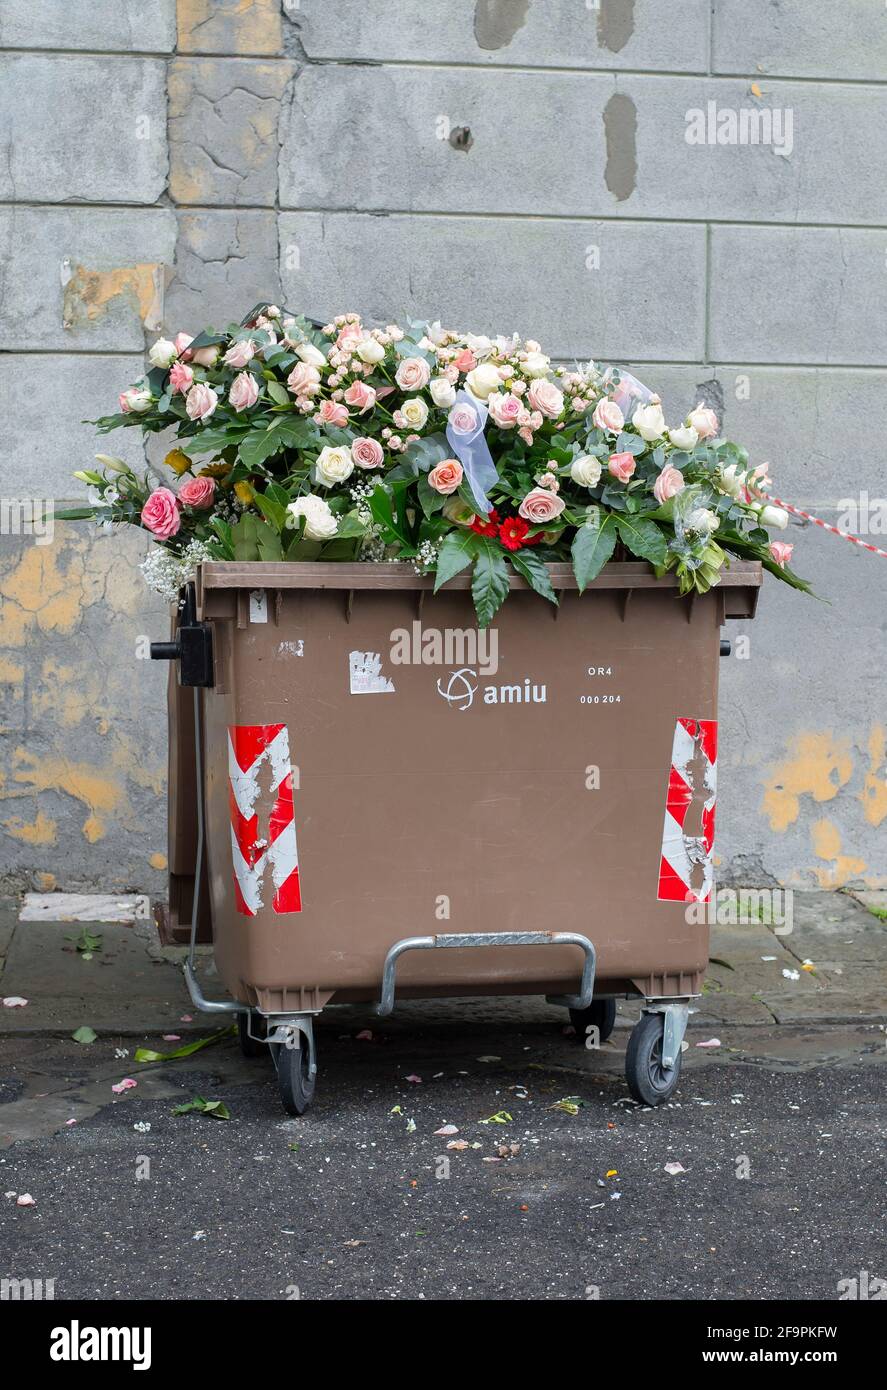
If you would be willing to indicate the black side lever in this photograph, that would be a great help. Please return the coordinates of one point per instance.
(192, 648)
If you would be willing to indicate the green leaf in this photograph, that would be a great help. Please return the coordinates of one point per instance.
(271, 510)
(223, 532)
(145, 1054)
(71, 514)
(457, 551)
(643, 537)
(278, 393)
(429, 500)
(350, 526)
(382, 508)
(260, 445)
(84, 1035)
(535, 572)
(216, 1109)
(489, 582)
(591, 549)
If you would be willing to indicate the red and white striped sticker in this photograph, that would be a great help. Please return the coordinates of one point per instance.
(257, 753)
(685, 869)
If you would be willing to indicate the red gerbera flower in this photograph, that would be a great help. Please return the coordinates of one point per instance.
(488, 527)
(513, 532)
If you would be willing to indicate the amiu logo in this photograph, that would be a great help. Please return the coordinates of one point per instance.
(461, 688)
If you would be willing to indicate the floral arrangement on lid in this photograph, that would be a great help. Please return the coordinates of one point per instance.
(447, 450)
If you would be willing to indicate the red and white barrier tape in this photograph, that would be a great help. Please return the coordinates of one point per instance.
(835, 530)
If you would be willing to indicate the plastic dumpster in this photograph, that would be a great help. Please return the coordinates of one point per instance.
(391, 804)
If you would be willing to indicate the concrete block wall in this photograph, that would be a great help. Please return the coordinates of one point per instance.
(498, 164)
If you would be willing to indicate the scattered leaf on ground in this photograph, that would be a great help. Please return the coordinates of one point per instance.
(216, 1109)
(570, 1105)
(501, 1117)
(145, 1054)
(84, 1034)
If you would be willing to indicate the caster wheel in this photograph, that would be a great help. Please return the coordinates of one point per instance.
(249, 1046)
(600, 1014)
(294, 1082)
(648, 1080)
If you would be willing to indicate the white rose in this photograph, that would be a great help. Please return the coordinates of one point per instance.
(769, 515)
(443, 392)
(586, 471)
(320, 523)
(732, 480)
(479, 345)
(483, 380)
(535, 364)
(649, 420)
(368, 350)
(685, 437)
(334, 464)
(703, 521)
(415, 412)
(162, 353)
(307, 352)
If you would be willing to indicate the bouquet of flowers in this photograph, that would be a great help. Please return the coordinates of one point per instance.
(296, 441)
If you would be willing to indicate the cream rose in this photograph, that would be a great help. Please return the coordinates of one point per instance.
(483, 380)
(685, 437)
(415, 412)
(649, 420)
(586, 471)
(443, 393)
(307, 352)
(334, 464)
(368, 350)
(320, 523)
(162, 353)
(535, 364)
(768, 515)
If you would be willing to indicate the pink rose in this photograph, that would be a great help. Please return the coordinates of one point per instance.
(304, 379)
(465, 361)
(543, 395)
(180, 343)
(206, 356)
(160, 513)
(540, 506)
(413, 374)
(446, 477)
(181, 378)
(504, 410)
(621, 467)
(781, 551)
(668, 484)
(197, 492)
(240, 353)
(136, 399)
(704, 421)
(361, 396)
(367, 453)
(350, 336)
(608, 416)
(243, 392)
(201, 401)
(333, 413)
(463, 419)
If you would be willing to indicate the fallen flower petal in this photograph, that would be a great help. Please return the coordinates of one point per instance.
(25, 1200)
(172, 1037)
(364, 1036)
(14, 1001)
(712, 1042)
(792, 974)
(125, 1085)
(674, 1168)
(447, 1129)
(458, 1145)
(416, 1080)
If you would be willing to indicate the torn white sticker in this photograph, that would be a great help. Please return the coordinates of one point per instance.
(366, 674)
(288, 649)
(258, 606)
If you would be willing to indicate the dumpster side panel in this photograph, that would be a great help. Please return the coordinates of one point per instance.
(521, 786)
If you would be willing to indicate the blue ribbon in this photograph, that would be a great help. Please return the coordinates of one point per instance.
(472, 450)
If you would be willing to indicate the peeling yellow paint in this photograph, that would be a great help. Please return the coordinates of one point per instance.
(46, 882)
(238, 26)
(89, 292)
(100, 795)
(41, 831)
(827, 844)
(874, 791)
(158, 861)
(11, 673)
(818, 765)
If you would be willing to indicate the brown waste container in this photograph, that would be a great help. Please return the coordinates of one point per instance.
(395, 802)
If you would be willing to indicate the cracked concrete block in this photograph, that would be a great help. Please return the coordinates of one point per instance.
(83, 129)
(230, 26)
(225, 263)
(83, 277)
(561, 282)
(55, 442)
(223, 118)
(644, 150)
(653, 34)
(800, 38)
(812, 448)
(116, 26)
(797, 294)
